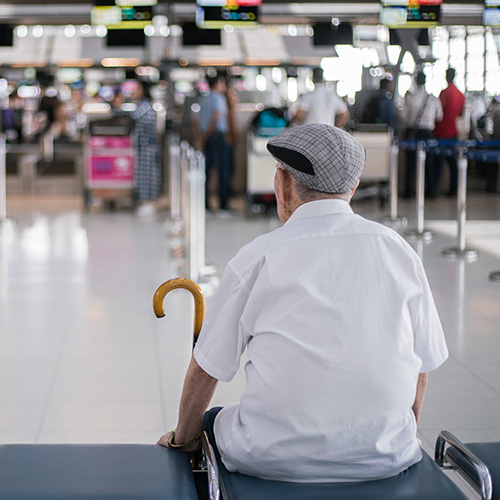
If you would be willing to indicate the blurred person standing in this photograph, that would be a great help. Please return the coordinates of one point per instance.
(322, 105)
(420, 112)
(381, 107)
(147, 172)
(453, 102)
(211, 131)
(117, 102)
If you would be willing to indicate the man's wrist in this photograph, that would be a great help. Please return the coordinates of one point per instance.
(180, 446)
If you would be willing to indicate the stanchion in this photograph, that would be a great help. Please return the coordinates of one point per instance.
(207, 273)
(461, 251)
(193, 233)
(420, 231)
(4, 220)
(48, 147)
(175, 181)
(198, 271)
(393, 220)
(200, 212)
(181, 224)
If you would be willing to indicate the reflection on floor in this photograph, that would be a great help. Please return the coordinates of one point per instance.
(83, 359)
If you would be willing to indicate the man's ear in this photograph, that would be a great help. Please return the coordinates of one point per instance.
(354, 188)
(283, 184)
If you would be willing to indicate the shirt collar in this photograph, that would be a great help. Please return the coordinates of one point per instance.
(320, 208)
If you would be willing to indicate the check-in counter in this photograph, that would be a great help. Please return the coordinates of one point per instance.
(31, 169)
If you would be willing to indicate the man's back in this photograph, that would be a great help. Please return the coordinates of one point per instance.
(329, 309)
(422, 110)
(321, 105)
(210, 104)
(453, 102)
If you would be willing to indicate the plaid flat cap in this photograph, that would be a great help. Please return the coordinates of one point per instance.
(322, 157)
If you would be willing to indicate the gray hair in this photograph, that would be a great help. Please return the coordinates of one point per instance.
(307, 194)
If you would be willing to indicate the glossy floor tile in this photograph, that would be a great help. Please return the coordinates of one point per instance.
(83, 359)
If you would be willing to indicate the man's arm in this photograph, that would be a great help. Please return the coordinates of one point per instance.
(420, 395)
(199, 387)
(299, 117)
(342, 118)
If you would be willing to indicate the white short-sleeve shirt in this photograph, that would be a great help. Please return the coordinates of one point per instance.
(321, 105)
(338, 320)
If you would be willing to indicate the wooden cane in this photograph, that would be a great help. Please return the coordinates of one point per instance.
(191, 286)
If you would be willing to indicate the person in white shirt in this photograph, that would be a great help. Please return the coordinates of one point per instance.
(322, 105)
(339, 325)
(420, 113)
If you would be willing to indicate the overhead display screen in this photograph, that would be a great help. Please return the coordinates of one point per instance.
(219, 13)
(115, 17)
(410, 13)
(491, 14)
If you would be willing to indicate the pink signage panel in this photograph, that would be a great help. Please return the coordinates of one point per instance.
(110, 141)
(111, 168)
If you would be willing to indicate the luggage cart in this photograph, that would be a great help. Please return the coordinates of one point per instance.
(109, 162)
(374, 180)
(260, 176)
(260, 164)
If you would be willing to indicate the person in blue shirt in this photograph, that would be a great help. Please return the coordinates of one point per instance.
(211, 130)
(381, 107)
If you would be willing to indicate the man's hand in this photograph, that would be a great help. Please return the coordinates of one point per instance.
(163, 441)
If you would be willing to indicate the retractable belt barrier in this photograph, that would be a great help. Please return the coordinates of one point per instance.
(464, 150)
(393, 219)
(187, 211)
(174, 158)
(488, 157)
(3, 182)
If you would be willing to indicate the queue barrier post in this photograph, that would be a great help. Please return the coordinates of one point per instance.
(193, 236)
(175, 182)
(4, 220)
(192, 214)
(461, 251)
(420, 231)
(495, 275)
(3, 179)
(393, 219)
(180, 228)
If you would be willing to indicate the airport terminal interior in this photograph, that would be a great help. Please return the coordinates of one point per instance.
(83, 359)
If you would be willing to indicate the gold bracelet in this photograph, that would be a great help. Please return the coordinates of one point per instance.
(181, 446)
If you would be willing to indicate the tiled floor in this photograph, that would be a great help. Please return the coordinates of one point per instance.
(83, 359)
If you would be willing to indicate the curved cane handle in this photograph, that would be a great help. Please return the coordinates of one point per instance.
(191, 286)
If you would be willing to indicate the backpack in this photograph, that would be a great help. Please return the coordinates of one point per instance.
(371, 111)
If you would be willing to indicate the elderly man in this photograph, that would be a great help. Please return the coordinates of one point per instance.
(339, 325)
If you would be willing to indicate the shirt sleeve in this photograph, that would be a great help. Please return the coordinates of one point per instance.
(222, 342)
(341, 106)
(304, 102)
(429, 340)
(439, 110)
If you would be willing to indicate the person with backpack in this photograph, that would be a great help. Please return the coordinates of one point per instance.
(381, 108)
(420, 112)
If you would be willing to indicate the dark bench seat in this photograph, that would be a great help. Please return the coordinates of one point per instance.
(423, 481)
(94, 472)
